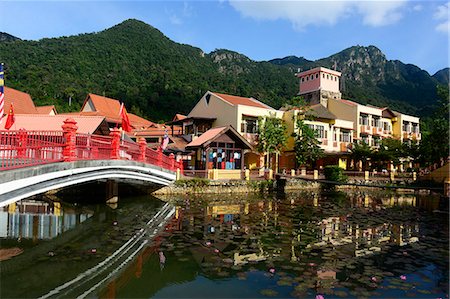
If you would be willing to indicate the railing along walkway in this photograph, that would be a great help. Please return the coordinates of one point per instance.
(23, 148)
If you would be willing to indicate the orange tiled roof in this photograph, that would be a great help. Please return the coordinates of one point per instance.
(22, 102)
(110, 108)
(45, 109)
(351, 103)
(235, 100)
(85, 124)
(213, 133)
(208, 135)
(106, 106)
(179, 117)
(138, 122)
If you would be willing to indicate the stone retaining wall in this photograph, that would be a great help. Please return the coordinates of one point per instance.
(230, 187)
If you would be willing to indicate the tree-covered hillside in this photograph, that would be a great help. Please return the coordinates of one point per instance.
(137, 64)
(369, 78)
(156, 77)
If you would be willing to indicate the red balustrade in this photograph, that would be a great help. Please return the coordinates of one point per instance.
(22, 148)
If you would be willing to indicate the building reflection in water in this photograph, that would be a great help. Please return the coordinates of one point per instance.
(30, 219)
(253, 225)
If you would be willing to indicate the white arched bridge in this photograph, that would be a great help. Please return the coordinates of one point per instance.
(33, 162)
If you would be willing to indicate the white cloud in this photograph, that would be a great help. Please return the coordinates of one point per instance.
(442, 15)
(304, 13)
(174, 19)
(417, 7)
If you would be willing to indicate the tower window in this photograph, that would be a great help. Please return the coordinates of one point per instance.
(317, 76)
(311, 77)
(328, 76)
(323, 76)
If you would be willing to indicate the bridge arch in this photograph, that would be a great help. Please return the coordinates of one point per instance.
(21, 183)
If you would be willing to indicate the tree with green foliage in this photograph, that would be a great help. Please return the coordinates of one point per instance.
(434, 145)
(272, 136)
(391, 150)
(361, 152)
(307, 146)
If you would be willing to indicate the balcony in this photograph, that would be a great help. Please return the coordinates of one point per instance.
(387, 132)
(416, 136)
(406, 135)
(345, 146)
(377, 131)
(365, 129)
(324, 141)
(335, 144)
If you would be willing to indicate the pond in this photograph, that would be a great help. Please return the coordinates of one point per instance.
(355, 244)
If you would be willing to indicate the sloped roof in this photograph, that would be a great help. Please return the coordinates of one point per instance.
(45, 109)
(348, 102)
(110, 108)
(387, 113)
(105, 106)
(22, 102)
(235, 100)
(85, 124)
(320, 111)
(178, 144)
(179, 117)
(137, 121)
(210, 135)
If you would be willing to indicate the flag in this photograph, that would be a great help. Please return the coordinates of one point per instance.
(2, 92)
(11, 118)
(126, 125)
(165, 141)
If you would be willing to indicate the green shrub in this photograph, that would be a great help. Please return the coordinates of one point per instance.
(334, 173)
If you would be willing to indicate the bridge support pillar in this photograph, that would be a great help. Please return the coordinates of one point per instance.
(178, 174)
(112, 192)
(414, 176)
(316, 174)
(292, 172)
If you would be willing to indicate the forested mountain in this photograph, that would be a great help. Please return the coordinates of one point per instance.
(156, 77)
(442, 76)
(5, 37)
(369, 78)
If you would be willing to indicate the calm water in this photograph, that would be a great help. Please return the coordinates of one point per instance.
(354, 245)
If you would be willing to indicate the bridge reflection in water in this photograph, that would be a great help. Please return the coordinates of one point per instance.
(31, 219)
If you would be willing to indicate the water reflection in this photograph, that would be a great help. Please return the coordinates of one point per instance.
(338, 244)
(31, 219)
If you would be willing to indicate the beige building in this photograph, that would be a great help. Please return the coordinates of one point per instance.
(239, 112)
(334, 134)
(370, 124)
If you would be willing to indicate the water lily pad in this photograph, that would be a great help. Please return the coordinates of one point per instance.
(268, 293)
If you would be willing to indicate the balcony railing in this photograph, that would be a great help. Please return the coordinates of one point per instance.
(365, 129)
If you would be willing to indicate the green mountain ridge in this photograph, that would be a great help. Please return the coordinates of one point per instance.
(156, 77)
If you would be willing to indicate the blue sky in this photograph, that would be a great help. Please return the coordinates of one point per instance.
(414, 32)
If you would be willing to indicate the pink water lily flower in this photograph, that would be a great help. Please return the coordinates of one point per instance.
(403, 277)
(272, 270)
(320, 297)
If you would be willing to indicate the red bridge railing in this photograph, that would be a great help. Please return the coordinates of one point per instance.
(23, 148)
